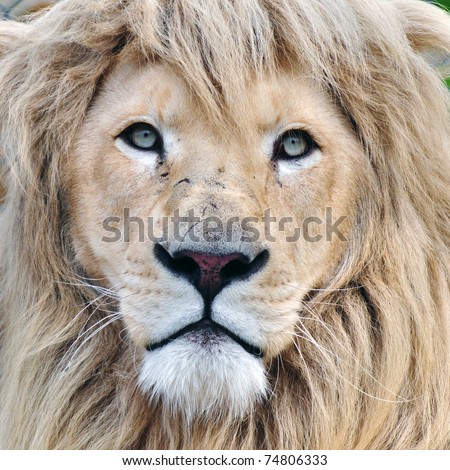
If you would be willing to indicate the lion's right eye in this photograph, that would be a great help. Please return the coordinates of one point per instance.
(143, 136)
(293, 145)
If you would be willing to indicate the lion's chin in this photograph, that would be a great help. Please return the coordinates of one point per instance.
(207, 376)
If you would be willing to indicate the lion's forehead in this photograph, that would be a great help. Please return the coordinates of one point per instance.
(268, 103)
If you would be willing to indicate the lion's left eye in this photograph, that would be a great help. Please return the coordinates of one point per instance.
(143, 136)
(294, 144)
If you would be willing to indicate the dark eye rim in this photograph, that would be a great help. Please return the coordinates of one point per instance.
(279, 152)
(157, 147)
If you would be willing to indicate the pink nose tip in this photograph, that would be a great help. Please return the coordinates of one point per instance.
(208, 272)
(211, 275)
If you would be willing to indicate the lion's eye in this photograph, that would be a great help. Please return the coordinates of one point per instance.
(294, 144)
(143, 137)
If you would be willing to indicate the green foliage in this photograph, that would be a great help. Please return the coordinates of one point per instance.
(444, 3)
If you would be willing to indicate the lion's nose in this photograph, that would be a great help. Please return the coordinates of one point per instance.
(208, 272)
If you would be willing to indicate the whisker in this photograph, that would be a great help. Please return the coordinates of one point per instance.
(337, 289)
(112, 318)
(100, 289)
(83, 332)
(350, 353)
(326, 352)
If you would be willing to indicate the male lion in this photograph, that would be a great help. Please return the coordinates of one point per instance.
(232, 124)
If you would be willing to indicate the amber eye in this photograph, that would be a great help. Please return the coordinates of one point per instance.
(143, 136)
(294, 144)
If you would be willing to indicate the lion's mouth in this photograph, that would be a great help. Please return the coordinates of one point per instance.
(207, 331)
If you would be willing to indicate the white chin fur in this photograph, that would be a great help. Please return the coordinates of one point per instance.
(194, 379)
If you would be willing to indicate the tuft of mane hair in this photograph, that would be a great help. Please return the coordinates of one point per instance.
(383, 387)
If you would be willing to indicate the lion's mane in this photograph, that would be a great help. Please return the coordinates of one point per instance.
(375, 373)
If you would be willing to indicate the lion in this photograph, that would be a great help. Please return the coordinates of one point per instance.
(226, 226)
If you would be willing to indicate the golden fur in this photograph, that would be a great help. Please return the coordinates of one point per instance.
(363, 359)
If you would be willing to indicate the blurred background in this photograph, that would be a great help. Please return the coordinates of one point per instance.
(16, 8)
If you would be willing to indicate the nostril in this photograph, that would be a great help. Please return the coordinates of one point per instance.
(180, 265)
(243, 268)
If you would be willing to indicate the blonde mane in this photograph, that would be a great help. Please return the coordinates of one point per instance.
(376, 371)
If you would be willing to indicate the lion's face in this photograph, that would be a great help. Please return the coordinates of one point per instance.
(218, 296)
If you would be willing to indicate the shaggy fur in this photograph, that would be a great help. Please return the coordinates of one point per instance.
(376, 374)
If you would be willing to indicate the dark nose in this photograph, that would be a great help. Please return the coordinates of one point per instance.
(208, 272)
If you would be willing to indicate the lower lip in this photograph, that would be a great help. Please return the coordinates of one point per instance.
(207, 333)
(206, 336)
